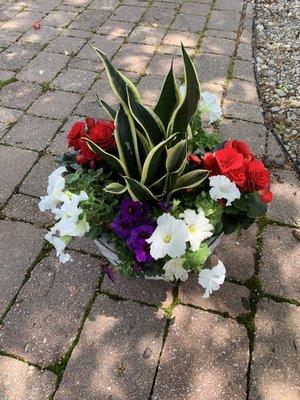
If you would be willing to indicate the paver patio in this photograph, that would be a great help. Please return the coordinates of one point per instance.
(68, 333)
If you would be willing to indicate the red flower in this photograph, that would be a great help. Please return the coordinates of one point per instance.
(75, 134)
(238, 176)
(241, 147)
(258, 176)
(229, 159)
(102, 134)
(211, 164)
(194, 160)
(266, 196)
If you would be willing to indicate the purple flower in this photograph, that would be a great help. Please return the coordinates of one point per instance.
(164, 206)
(121, 227)
(137, 243)
(138, 267)
(131, 210)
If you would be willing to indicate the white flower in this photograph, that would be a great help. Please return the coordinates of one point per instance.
(56, 185)
(198, 227)
(69, 213)
(210, 104)
(223, 188)
(174, 270)
(169, 237)
(59, 244)
(211, 279)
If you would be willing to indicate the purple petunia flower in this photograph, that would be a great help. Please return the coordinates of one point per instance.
(164, 206)
(131, 210)
(121, 227)
(137, 243)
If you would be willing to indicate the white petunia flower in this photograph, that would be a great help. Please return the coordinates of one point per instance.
(169, 237)
(210, 104)
(174, 270)
(223, 188)
(69, 213)
(59, 244)
(198, 227)
(211, 279)
(56, 185)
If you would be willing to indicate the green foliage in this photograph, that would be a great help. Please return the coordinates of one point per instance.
(202, 141)
(101, 207)
(195, 260)
(212, 210)
(152, 144)
(6, 82)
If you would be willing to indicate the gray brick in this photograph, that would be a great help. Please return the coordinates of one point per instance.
(18, 55)
(56, 104)
(245, 111)
(32, 132)
(150, 291)
(127, 14)
(43, 68)
(14, 260)
(232, 5)
(212, 68)
(280, 257)
(19, 94)
(116, 28)
(150, 87)
(127, 367)
(224, 20)
(205, 356)
(22, 21)
(147, 35)
(103, 5)
(134, 57)
(20, 381)
(74, 80)
(109, 45)
(158, 17)
(43, 323)
(217, 46)
(230, 298)
(64, 44)
(161, 63)
(253, 134)
(243, 91)
(187, 22)
(26, 208)
(195, 9)
(243, 70)
(59, 19)
(14, 164)
(89, 19)
(175, 38)
(7, 38)
(59, 143)
(275, 365)
(245, 52)
(41, 36)
(8, 116)
(36, 182)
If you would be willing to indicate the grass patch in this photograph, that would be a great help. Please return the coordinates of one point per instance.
(7, 82)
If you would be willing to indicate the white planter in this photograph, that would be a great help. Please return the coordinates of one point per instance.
(108, 251)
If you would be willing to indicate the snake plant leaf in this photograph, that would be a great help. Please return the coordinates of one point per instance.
(115, 188)
(117, 80)
(140, 191)
(190, 180)
(188, 103)
(148, 120)
(127, 145)
(158, 186)
(152, 167)
(109, 110)
(113, 161)
(175, 162)
(168, 99)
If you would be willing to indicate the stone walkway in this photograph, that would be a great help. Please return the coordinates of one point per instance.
(68, 334)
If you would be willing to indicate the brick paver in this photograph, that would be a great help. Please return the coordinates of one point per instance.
(113, 339)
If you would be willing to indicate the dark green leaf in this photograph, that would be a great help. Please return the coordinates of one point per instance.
(109, 110)
(115, 188)
(139, 191)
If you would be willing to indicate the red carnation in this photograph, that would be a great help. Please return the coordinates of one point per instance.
(241, 147)
(229, 159)
(194, 160)
(258, 176)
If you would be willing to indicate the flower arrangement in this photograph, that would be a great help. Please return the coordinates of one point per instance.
(152, 186)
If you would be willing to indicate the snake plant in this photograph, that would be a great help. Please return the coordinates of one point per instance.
(152, 144)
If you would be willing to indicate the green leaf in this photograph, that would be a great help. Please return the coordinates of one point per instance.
(153, 162)
(158, 186)
(176, 156)
(148, 120)
(113, 161)
(189, 103)
(115, 188)
(109, 110)
(126, 140)
(190, 180)
(168, 98)
(139, 191)
(118, 82)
